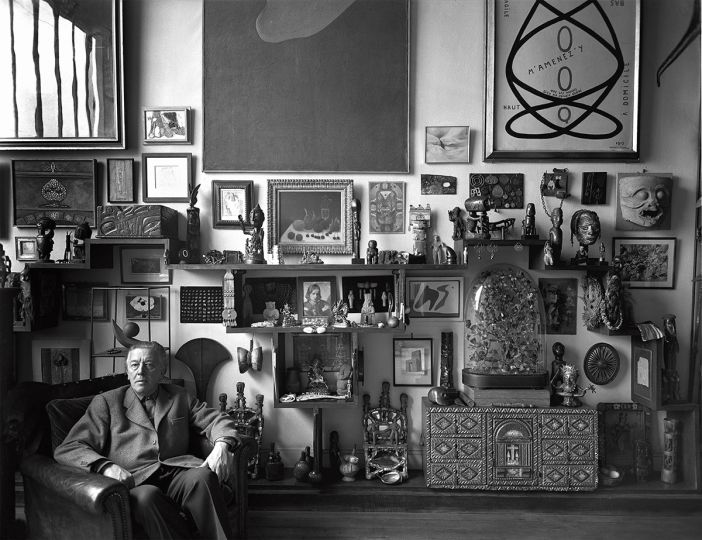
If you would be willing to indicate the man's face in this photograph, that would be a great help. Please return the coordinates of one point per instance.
(145, 368)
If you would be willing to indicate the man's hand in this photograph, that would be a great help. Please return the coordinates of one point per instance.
(220, 461)
(118, 473)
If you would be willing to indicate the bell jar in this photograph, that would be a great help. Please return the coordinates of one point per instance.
(504, 331)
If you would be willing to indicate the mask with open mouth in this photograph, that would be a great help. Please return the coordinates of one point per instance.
(644, 199)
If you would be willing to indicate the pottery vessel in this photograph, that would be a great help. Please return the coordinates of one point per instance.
(350, 466)
(271, 313)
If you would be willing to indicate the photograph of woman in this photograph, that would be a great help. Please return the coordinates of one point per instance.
(317, 304)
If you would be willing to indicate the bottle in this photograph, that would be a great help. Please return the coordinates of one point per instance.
(301, 470)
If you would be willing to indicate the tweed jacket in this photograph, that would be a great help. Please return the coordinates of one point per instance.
(115, 427)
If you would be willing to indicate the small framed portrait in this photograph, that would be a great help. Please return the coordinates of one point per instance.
(560, 296)
(26, 248)
(81, 301)
(58, 361)
(647, 263)
(413, 365)
(230, 200)
(386, 207)
(143, 306)
(167, 125)
(166, 177)
(120, 180)
(316, 295)
(644, 201)
(447, 144)
(434, 297)
(143, 264)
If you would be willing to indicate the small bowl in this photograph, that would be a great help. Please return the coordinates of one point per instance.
(392, 477)
(611, 476)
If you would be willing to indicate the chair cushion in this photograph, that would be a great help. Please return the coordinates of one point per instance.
(63, 414)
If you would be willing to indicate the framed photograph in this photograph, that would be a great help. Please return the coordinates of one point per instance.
(62, 189)
(120, 180)
(316, 296)
(230, 199)
(560, 296)
(436, 184)
(447, 144)
(562, 81)
(413, 365)
(505, 189)
(644, 201)
(79, 300)
(166, 177)
(143, 306)
(89, 114)
(143, 264)
(167, 125)
(380, 287)
(434, 297)
(310, 215)
(58, 361)
(620, 426)
(26, 248)
(646, 371)
(386, 207)
(647, 263)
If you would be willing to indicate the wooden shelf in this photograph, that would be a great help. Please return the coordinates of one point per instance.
(298, 268)
(299, 330)
(318, 404)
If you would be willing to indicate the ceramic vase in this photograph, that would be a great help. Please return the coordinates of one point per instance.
(271, 313)
(350, 466)
(301, 471)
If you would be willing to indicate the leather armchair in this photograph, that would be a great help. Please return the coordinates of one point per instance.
(64, 502)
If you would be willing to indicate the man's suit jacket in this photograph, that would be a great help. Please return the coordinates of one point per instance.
(116, 427)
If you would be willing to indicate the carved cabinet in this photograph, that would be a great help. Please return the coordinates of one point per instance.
(550, 449)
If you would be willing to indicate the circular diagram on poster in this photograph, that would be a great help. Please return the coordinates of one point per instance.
(601, 363)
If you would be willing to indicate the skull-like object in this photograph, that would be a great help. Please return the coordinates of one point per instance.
(644, 200)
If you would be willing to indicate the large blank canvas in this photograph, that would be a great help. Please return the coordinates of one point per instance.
(336, 100)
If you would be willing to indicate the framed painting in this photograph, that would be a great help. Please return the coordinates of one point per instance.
(644, 201)
(44, 105)
(412, 362)
(120, 180)
(562, 80)
(166, 177)
(62, 189)
(437, 184)
(260, 60)
(560, 296)
(386, 207)
(505, 189)
(58, 361)
(231, 200)
(434, 297)
(143, 306)
(316, 295)
(167, 125)
(646, 372)
(26, 248)
(646, 263)
(80, 302)
(143, 265)
(310, 216)
(447, 144)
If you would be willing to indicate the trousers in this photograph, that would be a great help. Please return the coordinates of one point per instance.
(161, 502)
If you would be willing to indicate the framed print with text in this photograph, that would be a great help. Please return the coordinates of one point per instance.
(562, 80)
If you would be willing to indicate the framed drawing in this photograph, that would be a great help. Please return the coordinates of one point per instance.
(386, 207)
(79, 300)
(647, 263)
(230, 199)
(646, 371)
(142, 306)
(562, 80)
(412, 362)
(120, 180)
(143, 265)
(166, 177)
(447, 144)
(434, 297)
(560, 296)
(88, 115)
(316, 296)
(26, 248)
(310, 215)
(58, 361)
(62, 189)
(167, 125)
(644, 201)
(259, 66)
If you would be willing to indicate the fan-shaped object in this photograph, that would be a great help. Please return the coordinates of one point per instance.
(601, 363)
(202, 355)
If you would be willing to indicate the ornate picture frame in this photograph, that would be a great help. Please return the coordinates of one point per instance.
(647, 263)
(231, 199)
(310, 216)
(413, 363)
(562, 81)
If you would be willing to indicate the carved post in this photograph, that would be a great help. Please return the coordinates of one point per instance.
(446, 360)
(356, 224)
(556, 374)
(671, 443)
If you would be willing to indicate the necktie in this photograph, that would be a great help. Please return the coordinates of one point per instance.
(149, 405)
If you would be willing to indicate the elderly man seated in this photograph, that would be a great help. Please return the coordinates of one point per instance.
(139, 434)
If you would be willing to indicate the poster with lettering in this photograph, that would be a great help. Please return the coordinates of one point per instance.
(562, 79)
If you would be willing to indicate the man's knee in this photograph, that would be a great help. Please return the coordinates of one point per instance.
(201, 476)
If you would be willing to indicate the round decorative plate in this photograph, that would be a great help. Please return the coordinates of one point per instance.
(601, 363)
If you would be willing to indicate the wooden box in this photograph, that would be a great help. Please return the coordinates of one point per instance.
(137, 221)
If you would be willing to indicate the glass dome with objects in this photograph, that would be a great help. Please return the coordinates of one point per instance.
(504, 331)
